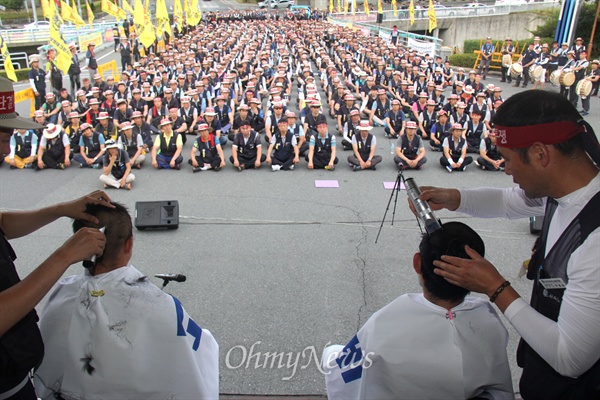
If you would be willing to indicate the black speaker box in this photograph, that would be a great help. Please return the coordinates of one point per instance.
(157, 214)
(379, 18)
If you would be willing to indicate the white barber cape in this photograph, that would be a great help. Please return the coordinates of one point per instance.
(413, 349)
(118, 336)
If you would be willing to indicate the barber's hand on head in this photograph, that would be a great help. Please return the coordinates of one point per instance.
(439, 198)
(85, 243)
(76, 209)
(476, 274)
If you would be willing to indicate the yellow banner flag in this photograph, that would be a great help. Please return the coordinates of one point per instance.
(194, 18)
(162, 17)
(70, 14)
(63, 54)
(339, 6)
(143, 24)
(45, 8)
(186, 8)
(395, 7)
(331, 6)
(366, 7)
(127, 8)
(177, 12)
(346, 5)
(112, 9)
(80, 21)
(354, 5)
(379, 7)
(8, 66)
(90, 14)
(411, 11)
(432, 18)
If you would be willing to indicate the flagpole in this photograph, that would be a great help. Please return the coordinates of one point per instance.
(78, 6)
(34, 11)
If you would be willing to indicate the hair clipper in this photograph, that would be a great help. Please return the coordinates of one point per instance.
(91, 262)
(424, 213)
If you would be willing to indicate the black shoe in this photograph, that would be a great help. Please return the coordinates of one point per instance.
(217, 168)
(177, 167)
(502, 80)
(196, 169)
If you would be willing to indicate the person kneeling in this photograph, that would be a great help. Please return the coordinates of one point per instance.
(117, 167)
(285, 146)
(363, 146)
(410, 150)
(438, 344)
(206, 152)
(455, 150)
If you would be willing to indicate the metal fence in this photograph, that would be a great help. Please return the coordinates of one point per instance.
(42, 33)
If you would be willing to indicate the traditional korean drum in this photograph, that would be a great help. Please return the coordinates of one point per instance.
(567, 77)
(516, 70)
(535, 71)
(554, 76)
(507, 60)
(583, 88)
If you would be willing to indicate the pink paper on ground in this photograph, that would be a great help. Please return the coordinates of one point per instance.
(391, 185)
(327, 184)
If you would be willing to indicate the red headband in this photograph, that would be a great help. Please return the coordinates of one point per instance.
(517, 137)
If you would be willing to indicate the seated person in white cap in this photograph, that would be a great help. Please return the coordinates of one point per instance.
(110, 333)
(133, 144)
(166, 152)
(363, 146)
(117, 167)
(283, 152)
(489, 157)
(51, 108)
(410, 150)
(23, 149)
(438, 344)
(91, 148)
(322, 147)
(206, 152)
(54, 150)
(455, 150)
(246, 148)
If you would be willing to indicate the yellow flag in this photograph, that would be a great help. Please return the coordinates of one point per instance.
(63, 54)
(70, 14)
(112, 9)
(366, 7)
(194, 14)
(80, 21)
(90, 14)
(354, 5)
(395, 7)
(432, 18)
(162, 17)
(45, 8)
(8, 66)
(346, 5)
(186, 8)
(178, 12)
(411, 11)
(330, 6)
(143, 24)
(339, 5)
(379, 7)
(127, 8)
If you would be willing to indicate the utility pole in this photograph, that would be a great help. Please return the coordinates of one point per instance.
(591, 45)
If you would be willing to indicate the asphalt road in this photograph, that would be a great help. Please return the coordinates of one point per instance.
(273, 264)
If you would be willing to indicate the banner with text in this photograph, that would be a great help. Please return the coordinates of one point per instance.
(420, 46)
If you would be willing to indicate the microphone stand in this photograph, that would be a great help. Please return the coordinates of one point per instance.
(393, 195)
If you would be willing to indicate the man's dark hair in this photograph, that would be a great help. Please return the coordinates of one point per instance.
(117, 223)
(449, 241)
(535, 107)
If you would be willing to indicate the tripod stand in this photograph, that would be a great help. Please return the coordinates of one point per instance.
(393, 195)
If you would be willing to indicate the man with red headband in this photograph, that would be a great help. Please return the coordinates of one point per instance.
(552, 155)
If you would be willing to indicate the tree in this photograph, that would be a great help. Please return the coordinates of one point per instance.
(16, 5)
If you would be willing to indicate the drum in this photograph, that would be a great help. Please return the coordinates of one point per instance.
(516, 70)
(535, 71)
(507, 60)
(566, 78)
(584, 88)
(554, 76)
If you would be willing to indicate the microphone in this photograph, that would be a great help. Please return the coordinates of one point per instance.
(171, 277)
(424, 212)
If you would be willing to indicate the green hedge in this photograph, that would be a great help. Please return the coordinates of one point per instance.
(463, 60)
(21, 74)
(469, 46)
